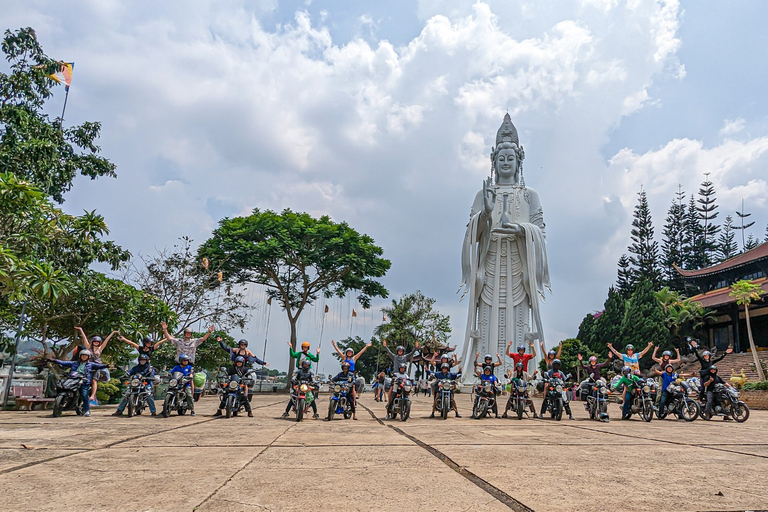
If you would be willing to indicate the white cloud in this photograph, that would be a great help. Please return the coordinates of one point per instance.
(732, 127)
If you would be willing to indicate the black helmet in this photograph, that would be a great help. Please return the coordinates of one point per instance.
(305, 361)
(519, 365)
(184, 357)
(713, 367)
(668, 366)
(146, 341)
(556, 362)
(243, 341)
(445, 366)
(402, 365)
(488, 356)
(487, 369)
(399, 348)
(551, 353)
(144, 357)
(239, 359)
(344, 365)
(521, 348)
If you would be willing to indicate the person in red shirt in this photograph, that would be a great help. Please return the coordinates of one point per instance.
(521, 356)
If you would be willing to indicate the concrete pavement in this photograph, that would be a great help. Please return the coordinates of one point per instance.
(266, 463)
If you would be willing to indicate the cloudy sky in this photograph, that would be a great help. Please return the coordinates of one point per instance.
(383, 114)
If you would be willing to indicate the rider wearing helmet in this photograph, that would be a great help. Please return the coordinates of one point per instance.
(629, 380)
(520, 356)
(488, 376)
(399, 357)
(706, 360)
(97, 346)
(488, 362)
(144, 371)
(668, 377)
(304, 354)
(147, 346)
(186, 345)
(84, 367)
(593, 373)
(349, 357)
(240, 369)
(521, 374)
(444, 373)
(552, 373)
(551, 355)
(185, 367)
(303, 375)
(630, 357)
(708, 382)
(346, 375)
(241, 351)
(666, 358)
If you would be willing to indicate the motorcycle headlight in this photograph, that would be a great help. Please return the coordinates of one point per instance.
(336, 388)
(440, 384)
(559, 389)
(603, 391)
(646, 389)
(173, 383)
(407, 385)
(304, 388)
(135, 383)
(232, 384)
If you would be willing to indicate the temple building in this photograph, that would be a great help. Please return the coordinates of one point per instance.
(711, 287)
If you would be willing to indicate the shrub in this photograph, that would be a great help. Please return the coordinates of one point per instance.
(762, 385)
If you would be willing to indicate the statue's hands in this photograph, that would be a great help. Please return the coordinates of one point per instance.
(512, 228)
(489, 196)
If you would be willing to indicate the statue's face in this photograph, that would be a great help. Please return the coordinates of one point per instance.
(506, 163)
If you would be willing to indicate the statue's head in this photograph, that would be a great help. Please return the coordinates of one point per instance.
(507, 156)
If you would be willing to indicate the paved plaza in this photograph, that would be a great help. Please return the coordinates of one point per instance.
(267, 463)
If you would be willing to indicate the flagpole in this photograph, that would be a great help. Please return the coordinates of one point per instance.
(320, 342)
(66, 96)
(266, 336)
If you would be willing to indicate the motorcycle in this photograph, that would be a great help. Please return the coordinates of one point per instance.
(175, 397)
(642, 403)
(234, 393)
(68, 395)
(680, 402)
(554, 397)
(597, 400)
(728, 405)
(302, 396)
(137, 390)
(341, 400)
(485, 399)
(518, 397)
(401, 400)
(445, 388)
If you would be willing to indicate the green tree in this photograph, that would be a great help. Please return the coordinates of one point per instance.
(191, 288)
(569, 362)
(607, 327)
(412, 319)
(644, 249)
(32, 146)
(727, 247)
(745, 292)
(644, 318)
(625, 283)
(672, 241)
(372, 359)
(694, 231)
(587, 330)
(752, 242)
(209, 356)
(745, 224)
(707, 212)
(682, 316)
(297, 257)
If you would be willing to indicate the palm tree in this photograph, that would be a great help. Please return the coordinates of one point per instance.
(745, 292)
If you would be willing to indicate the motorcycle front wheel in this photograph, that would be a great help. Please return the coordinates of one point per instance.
(58, 405)
(130, 407)
(740, 412)
(482, 410)
(331, 409)
(230, 406)
(689, 410)
(167, 405)
(300, 409)
(520, 409)
(405, 411)
(557, 410)
(646, 411)
(444, 410)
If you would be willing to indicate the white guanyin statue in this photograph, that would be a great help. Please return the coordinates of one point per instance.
(504, 258)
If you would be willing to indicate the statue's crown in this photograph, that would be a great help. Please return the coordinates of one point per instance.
(507, 131)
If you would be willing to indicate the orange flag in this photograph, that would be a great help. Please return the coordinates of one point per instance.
(269, 301)
(354, 313)
(326, 308)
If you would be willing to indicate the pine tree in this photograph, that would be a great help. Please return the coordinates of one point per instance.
(692, 234)
(586, 330)
(607, 328)
(672, 242)
(766, 232)
(644, 318)
(726, 247)
(707, 212)
(744, 224)
(752, 242)
(645, 250)
(626, 280)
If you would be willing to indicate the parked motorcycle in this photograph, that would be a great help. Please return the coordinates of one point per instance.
(445, 390)
(555, 397)
(518, 397)
(137, 390)
(175, 398)
(341, 400)
(68, 395)
(681, 403)
(485, 399)
(302, 396)
(235, 395)
(597, 400)
(642, 403)
(401, 399)
(728, 405)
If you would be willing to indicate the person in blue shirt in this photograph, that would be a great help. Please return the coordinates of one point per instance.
(630, 357)
(668, 376)
(186, 369)
(145, 371)
(241, 350)
(349, 357)
(346, 375)
(84, 367)
(488, 376)
(445, 373)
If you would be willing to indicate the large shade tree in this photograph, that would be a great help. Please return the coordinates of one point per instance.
(297, 258)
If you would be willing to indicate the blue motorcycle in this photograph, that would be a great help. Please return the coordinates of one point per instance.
(340, 401)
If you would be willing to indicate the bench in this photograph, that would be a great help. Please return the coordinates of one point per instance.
(27, 398)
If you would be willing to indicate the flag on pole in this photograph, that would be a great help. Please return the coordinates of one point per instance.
(383, 318)
(64, 74)
(354, 313)
(326, 308)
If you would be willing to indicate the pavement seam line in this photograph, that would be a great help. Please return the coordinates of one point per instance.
(215, 491)
(483, 484)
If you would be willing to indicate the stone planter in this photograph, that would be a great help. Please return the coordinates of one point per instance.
(754, 398)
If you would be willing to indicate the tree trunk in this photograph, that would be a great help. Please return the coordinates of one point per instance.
(292, 361)
(758, 368)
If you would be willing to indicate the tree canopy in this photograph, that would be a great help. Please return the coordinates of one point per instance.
(412, 318)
